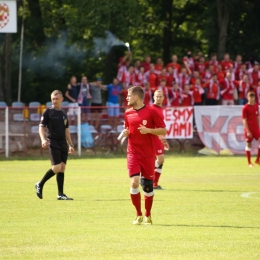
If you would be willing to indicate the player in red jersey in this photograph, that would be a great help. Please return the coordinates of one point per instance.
(160, 142)
(142, 123)
(250, 116)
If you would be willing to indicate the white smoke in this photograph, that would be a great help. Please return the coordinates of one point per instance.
(103, 45)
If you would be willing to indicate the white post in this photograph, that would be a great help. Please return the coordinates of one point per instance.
(6, 132)
(79, 131)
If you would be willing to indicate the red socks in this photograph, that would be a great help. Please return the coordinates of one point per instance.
(148, 200)
(136, 200)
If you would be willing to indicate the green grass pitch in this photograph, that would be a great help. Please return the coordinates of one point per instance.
(209, 209)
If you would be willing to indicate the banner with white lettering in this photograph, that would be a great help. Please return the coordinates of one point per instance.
(179, 122)
(221, 128)
(8, 16)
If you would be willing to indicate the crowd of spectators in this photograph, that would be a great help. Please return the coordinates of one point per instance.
(193, 81)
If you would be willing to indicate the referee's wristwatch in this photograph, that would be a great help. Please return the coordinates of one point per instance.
(71, 145)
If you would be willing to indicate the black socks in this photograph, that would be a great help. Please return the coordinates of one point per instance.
(60, 182)
(46, 177)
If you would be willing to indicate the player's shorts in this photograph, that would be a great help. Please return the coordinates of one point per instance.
(143, 165)
(96, 107)
(73, 109)
(159, 148)
(255, 135)
(58, 156)
(112, 109)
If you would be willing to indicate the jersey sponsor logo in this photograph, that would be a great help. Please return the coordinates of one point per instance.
(65, 120)
(159, 151)
(144, 122)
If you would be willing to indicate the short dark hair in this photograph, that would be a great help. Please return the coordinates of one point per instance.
(138, 91)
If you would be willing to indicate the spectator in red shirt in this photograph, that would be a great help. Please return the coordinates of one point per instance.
(207, 75)
(257, 93)
(147, 63)
(254, 75)
(163, 75)
(213, 61)
(151, 77)
(124, 62)
(128, 78)
(195, 76)
(175, 65)
(140, 77)
(220, 73)
(187, 97)
(183, 78)
(226, 63)
(166, 91)
(176, 95)
(213, 91)
(170, 77)
(137, 66)
(189, 62)
(243, 87)
(200, 66)
(158, 66)
(197, 92)
(242, 71)
(227, 90)
(148, 95)
(237, 64)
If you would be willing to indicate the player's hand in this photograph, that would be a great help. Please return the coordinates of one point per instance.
(71, 149)
(45, 144)
(249, 134)
(143, 130)
(165, 144)
(126, 132)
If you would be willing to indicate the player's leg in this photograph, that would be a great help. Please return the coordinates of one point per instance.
(158, 170)
(248, 153)
(258, 153)
(60, 176)
(55, 158)
(147, 170)
(134, 174)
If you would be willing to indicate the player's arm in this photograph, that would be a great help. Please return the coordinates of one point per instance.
(154, 131)
(246, 127)
(69, 141)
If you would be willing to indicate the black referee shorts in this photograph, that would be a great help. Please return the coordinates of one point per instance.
(58, 156)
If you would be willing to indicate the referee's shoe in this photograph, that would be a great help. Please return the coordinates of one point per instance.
(63, 197)
(38, 190)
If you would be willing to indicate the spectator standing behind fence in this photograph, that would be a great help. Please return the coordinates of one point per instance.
(227, 91)
(114, 90)
(72, 93)
(96, 103)
(84, 98)
(213, 91)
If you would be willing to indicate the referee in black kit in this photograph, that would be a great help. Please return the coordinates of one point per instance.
(58, 140)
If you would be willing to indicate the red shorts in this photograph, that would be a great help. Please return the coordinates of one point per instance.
(143, 165)
(159, 148)
(255, 135)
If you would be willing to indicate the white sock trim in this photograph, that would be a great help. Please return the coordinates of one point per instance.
(134, 191)
(149, 194)
(158, 170)
(247, 149)
(156, 164)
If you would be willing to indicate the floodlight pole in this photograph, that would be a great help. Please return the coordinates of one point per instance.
(21, 56)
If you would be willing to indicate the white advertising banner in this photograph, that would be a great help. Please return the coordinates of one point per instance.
(8, 17)
(179, 122)
(221, 128)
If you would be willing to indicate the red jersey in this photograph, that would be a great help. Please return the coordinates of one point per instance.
(227, 89)
(170, 80)
(146, 66)
(200, 67)
(189, 62)
(213, 89)
(158, 68)
(257, 95)
(226, 65)
(142, 145)
(176, 97)
(152, 79)
(250, 113)
(197, 92)
(242, 87)
(187, 99)
(175, 66)
(254, 76)
(158, 109)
